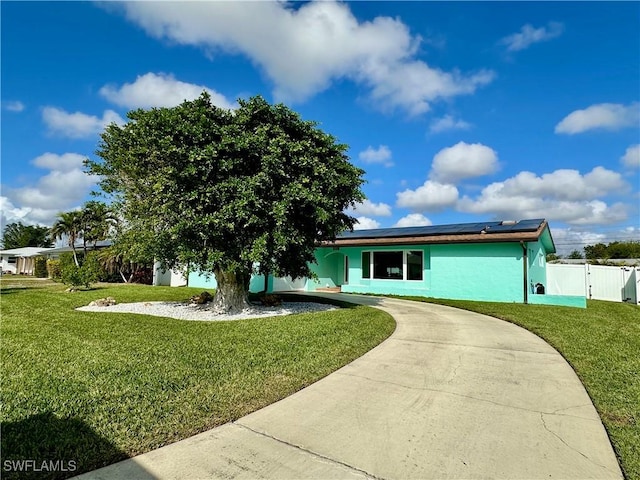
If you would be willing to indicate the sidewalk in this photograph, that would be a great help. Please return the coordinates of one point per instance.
(451, 394)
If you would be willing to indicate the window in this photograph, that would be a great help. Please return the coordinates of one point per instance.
(399, 265)
(12, 260)
(414, 265)
(366, 264)
(388, 265)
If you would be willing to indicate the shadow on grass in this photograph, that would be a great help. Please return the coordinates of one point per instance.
(47, 447)
(7, 290)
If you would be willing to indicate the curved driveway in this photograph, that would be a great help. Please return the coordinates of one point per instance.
(451, 394)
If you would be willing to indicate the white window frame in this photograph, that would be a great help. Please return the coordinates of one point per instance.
(405, 267)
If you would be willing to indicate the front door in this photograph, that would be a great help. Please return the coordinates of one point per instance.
(346, 270)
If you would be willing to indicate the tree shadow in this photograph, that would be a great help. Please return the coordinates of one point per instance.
(340, 300)
(45, 446)
(8, 290)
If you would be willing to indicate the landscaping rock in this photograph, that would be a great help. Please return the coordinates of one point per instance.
(201, 299)
(103, 302)
(270, 300)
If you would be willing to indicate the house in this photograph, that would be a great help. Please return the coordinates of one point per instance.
(20, 260)
(502, 261)
(54, 253)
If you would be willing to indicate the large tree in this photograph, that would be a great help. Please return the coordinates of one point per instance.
(223, 191)
(18, 235)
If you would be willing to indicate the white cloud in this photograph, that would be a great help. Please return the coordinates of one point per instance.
(367, 207)
(564, 184)
(606, 116)
(462, 161)
(447, 123)
(63, 188)
(413, 220)
(159, 90)
(431, 196)
(631, 157)
(304, 48)
(528, 35)
(10, 213)
(365, 223)
(78, 124)
(381, 155)
(569, 239)
(64, 163)
(563, 195)
(13, 106)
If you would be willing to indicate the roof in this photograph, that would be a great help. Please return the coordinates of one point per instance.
(79, 247)
(497, 231)
(25, 251)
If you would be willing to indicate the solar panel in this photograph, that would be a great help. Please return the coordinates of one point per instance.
(530, 225)
(522, 226)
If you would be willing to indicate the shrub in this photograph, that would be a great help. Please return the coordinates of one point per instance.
(54, 270)
(80, 276)
(40, 267)
(74, 276)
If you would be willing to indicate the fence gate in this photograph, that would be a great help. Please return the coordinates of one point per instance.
(597, 282)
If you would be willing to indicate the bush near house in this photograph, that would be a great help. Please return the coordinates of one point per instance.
(40, 268)
(54, 270)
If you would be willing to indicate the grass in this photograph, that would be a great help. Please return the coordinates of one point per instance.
(602, 344)
(95, 388)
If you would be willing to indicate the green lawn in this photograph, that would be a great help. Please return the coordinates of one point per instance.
(95, 388)
(602, 344)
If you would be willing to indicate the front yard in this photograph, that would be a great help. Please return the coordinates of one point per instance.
(95, 388)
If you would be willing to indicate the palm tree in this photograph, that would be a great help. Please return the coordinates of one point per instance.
(97, 222)
(69, 225)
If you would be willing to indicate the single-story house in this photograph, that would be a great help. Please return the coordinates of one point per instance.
(502, 261)
(21, 260)
(54, 253)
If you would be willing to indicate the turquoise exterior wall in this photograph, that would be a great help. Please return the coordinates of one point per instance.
(484, 271)
(199, 280)
(537, 265)
(357, 284)
(480, 271)
(560, 300)
(329, 269)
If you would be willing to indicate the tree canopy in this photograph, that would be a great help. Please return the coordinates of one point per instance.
(224, 190)
(613, 250)
(94, 222)
(18, 235)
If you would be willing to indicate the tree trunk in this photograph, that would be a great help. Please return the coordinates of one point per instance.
(232, 292)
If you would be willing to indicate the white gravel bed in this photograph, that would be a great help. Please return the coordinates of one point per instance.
(185, 311)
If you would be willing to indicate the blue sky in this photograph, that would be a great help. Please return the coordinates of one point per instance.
(457, 111)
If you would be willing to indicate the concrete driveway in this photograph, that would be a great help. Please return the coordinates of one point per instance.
(451, 394)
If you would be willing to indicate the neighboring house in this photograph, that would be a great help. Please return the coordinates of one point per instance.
(489, 261)
(54, 253)
(21, 260)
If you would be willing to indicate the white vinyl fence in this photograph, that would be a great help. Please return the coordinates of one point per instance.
(597, 282)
